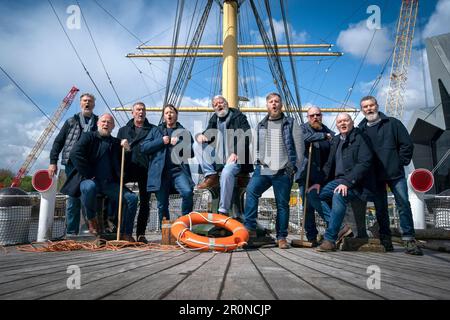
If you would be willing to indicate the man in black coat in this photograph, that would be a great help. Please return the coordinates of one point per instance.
(318, 135)
(136, 163)
(84, 121)
(224, 146)
(348, 176)
(96, 159)
(393, 150)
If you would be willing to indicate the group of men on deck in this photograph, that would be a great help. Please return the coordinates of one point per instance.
(353, 166)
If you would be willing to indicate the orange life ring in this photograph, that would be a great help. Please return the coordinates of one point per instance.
(181, 230)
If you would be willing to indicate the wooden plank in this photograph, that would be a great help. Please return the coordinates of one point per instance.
(159, 285)
(388, 291)
(96, 287)
(56, 274)
(334, 288)
(399, 278)
(90, 278)
(243, 282)
(205, 283)
(286, 284)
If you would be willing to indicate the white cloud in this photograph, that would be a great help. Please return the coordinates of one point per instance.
(355, 41)
(295, 37)
(439, 20)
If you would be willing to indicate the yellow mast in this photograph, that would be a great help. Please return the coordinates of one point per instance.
(230, 53)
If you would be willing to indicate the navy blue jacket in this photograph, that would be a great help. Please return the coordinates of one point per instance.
(393, 148)
(154, 147)
(357, 159)
(311, 136)
(84, 156)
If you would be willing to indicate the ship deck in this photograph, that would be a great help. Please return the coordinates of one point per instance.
(263, 274)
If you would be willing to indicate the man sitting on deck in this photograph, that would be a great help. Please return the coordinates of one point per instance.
(96, 158)
(348, 176)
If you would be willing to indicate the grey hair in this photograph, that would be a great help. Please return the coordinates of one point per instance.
(90, 95)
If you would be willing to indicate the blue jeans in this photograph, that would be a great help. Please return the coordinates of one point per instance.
(181, 182)
(400, 190)
(73, 207)
(282, 184)
(310, 216)
(338, 208)
(90, 188)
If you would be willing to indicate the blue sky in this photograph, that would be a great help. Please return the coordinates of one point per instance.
(36, 53)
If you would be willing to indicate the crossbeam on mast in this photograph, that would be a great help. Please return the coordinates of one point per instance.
(240, 54)
(255, 110)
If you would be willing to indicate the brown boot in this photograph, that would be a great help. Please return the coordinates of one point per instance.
(326, 246)
(93, 226)
(210, 181)
(283, 244)
(127, 237)
(346, 231)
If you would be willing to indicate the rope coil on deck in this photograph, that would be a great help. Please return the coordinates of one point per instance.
(182, 230)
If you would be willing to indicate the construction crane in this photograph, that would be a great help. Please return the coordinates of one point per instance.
(395, 101)
(45, 136)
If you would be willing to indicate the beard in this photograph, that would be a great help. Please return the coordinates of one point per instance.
(371, 117)
(223, 112)
(104, 132)
(316, 125)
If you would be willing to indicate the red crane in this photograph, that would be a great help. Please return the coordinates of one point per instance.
(45, 136)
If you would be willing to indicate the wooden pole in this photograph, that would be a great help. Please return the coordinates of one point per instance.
(122, 164)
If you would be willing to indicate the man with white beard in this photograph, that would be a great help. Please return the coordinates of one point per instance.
(393, 149)
(96, 160)
(224, 146)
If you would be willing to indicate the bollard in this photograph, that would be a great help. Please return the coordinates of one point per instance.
(419, 182)
(47, 188)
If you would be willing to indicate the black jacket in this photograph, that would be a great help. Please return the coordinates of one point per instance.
(357, 161)
(239, 143)
(84, 156)
(136, 163)
(393, 148)
(316, 138)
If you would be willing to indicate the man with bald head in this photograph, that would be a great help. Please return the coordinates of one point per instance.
(348, 175)
(318, 136)
(96, 158)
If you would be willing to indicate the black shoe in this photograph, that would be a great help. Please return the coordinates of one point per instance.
(142, 239)
(387, 243)
(411, 247)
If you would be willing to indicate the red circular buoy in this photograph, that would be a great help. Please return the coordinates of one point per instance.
(41, 181)
(422, 180)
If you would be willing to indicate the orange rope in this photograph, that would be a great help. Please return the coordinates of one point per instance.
(97, 245)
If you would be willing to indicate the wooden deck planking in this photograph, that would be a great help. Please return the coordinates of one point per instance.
(401, 279)
(205, 283)
(91, 278)
(268, 273)
(339, 271)
(55, 274)
(335, 288)
(243, 282)
(159, 284)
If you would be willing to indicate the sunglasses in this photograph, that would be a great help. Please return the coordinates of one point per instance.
(314, 115)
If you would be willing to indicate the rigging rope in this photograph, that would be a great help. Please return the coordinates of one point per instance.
(81, 61)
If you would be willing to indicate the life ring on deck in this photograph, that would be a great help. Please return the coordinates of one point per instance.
(181, 230)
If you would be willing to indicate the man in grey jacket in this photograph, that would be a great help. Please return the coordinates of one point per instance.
(280, 151)
(84, 121)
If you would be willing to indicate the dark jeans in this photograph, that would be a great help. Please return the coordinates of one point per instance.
(338, 207)
(90, 189)
(400, 190)
(310, 216)
(140, 176)
(73, 208)
(174, 178)
(282, 184)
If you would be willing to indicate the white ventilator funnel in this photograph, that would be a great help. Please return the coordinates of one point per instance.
(420, 181)
(47, 188)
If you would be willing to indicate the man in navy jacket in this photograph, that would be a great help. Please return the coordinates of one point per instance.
(393, 150)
